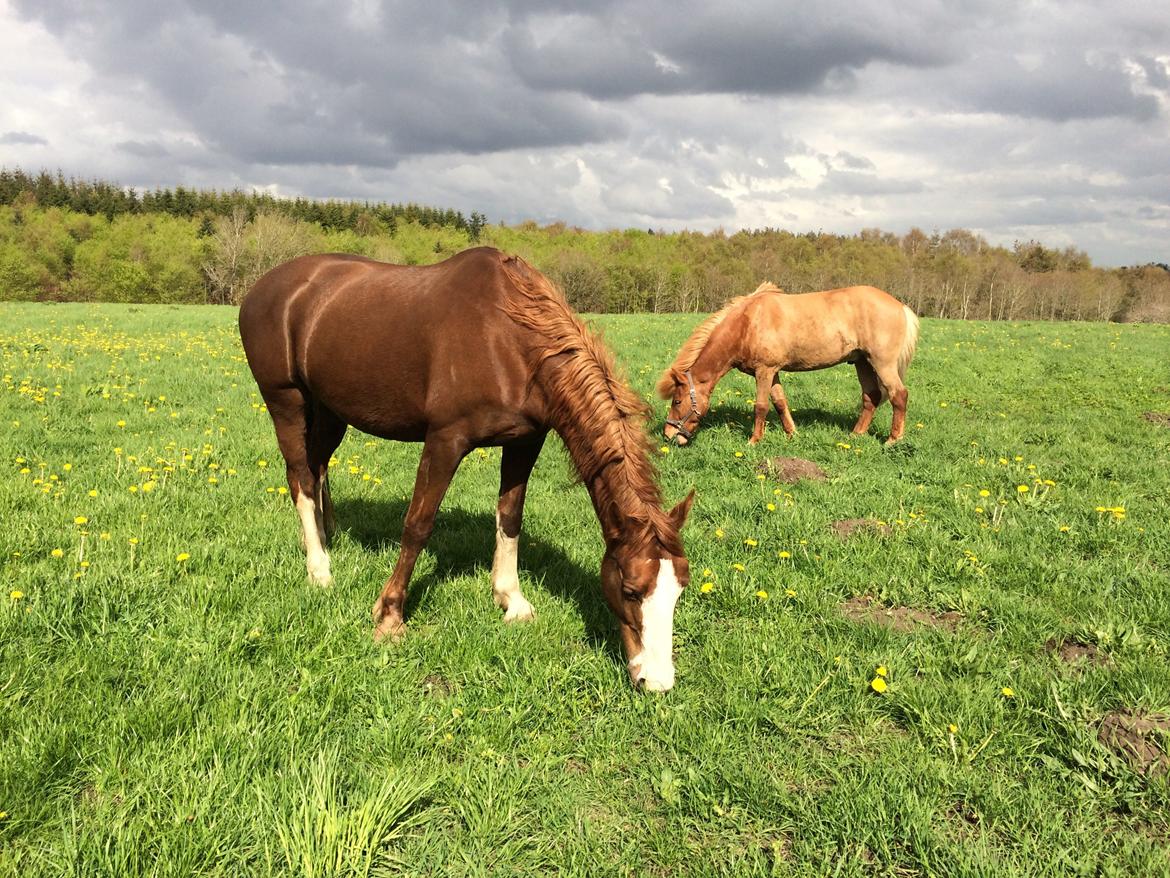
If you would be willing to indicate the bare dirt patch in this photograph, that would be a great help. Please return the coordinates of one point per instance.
(847, 527)
(1162, 419)
(789, 470)
(1139, 738)
(865, 608)
(435, 686)
(1073, 652)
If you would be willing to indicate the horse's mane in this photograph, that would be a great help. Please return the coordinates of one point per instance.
(601, 420)
(694, 345)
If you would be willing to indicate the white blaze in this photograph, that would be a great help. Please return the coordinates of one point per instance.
(654, 666)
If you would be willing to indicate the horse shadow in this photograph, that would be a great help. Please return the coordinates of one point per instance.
(741, 420)
(464, 542)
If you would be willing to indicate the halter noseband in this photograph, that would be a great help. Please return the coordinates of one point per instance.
(679, 423)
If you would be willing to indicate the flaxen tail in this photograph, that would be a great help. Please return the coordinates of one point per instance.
(909, 342)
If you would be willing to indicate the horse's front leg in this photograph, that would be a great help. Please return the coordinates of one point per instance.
(515, 468)
(440, 458)
(764, 376)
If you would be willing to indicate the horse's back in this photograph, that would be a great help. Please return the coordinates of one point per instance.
(803, 331)
(388, 348)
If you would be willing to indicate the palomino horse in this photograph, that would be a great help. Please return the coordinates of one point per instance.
(475, 351)
(769, 331)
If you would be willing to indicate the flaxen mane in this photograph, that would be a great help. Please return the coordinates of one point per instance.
(601, 418)
(694, 345)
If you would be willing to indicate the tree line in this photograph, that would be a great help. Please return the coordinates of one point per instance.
(93, 241)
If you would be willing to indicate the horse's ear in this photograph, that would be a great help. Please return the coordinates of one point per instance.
(679, 514)
(667, 382)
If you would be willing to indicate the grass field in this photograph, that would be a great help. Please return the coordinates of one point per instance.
(176, 699)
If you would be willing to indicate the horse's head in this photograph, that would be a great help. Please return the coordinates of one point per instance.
(688, 403)
(642, 580)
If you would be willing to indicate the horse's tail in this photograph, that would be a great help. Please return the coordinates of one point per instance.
(909, 341)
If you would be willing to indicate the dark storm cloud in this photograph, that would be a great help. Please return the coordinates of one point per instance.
(15, 138)
(271, 83)
(699, 48)
(1063, 85)
(148, 150)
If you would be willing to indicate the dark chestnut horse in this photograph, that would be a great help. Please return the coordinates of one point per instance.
(475, 351)
(768, 331)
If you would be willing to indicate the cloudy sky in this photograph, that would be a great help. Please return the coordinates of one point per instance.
(1018, 120)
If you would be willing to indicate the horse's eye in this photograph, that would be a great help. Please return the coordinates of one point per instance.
(630, 595)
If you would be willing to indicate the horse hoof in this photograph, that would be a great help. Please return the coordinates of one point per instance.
(389, 631)
(519, 611)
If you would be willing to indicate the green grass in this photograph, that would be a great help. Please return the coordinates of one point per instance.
(219, 716)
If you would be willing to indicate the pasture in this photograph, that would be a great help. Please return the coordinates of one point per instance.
(176, 699)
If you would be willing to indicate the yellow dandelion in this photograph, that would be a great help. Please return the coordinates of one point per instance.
(57, 553)
(762, 595)
(707, 573)
(750, 542)
(81, 519)
(67, 467)
(878, 685)
(771, 507)
(719, 533)
(1007, 692)
(983, 492)
(16, 594)
(182, 556)
(784, 553)
(1022, 489)
(952, 728)
(1064, 528)
(92, 492)
(737, 566)
(790, 592)
(706, 587)
(133, 541)
(739, 454)
(882, 671)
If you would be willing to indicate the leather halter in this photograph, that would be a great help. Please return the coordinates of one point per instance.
(678, 424)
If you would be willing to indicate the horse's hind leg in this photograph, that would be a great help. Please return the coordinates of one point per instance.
(440, 458)
(893, 387)
(515, 468)
(326, 431)
(290, 415)
(871, 395)
(764, 377)
(780, 403)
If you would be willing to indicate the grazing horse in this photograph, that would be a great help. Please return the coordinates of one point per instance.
(475, 351)
(768, 331)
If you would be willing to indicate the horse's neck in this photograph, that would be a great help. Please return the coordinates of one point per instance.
(720, 353)
(617, 485)
(618, 513)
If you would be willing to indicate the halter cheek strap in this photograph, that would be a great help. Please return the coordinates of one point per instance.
(679, 423)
